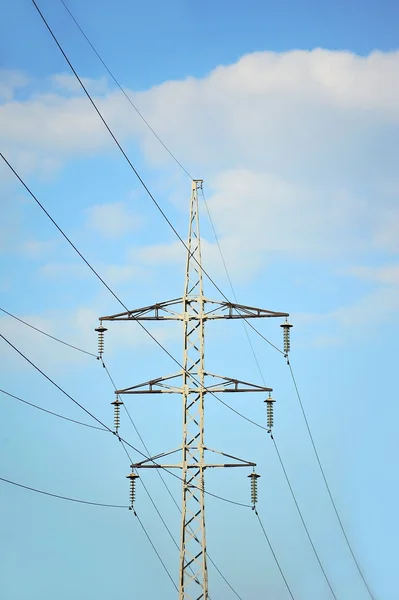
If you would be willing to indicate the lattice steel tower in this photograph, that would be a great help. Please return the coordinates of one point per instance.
(193, 310)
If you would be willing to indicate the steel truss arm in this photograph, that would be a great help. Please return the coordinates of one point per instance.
(152, 462)
(172, 310)
(160, 386)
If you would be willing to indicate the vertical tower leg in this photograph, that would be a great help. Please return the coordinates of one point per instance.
(193, 568)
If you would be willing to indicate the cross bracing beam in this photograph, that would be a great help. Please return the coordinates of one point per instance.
(152, 462)
(160, 386)
(213, 309)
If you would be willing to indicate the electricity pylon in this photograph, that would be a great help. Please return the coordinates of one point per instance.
(193, 382)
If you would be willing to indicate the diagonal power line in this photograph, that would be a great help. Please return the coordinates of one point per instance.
(132, 167)
(327, 485)
(48, 335)
(128, 98)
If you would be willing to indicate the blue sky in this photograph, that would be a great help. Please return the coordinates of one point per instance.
(290, 115)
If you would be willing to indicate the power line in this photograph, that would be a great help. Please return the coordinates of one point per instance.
(245, 321)
(274, 555)
(47, 334)
(307, 426)
(156, 203)
(108, 287)
(32, 489)
(257, 424)
(124, 443)
(158, 206)
(76, 500)
(149, 333)
(109, 429)
(53, 413)
(155, 550)
(85, 260)
(302, 519)
(164, 483)
(128, 98)
(326, 482)
(55, 384)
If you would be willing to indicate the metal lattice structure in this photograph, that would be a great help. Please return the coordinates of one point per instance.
(193, 382)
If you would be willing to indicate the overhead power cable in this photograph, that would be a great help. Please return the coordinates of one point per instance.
(108, 287)
(302, 519)
(165, 147)
(32, 489)
(306, 422)
(47, 334)
(257, 424)
(156, 551)
(164, 483)
(158, 343)
(326, 483)
(50, 412)
(152, 197)
(103, 505)
(274, 554)
(109, 429)
(128, 98)
(160, 210)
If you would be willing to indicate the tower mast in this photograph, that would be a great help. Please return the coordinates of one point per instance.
(193, 309)
(193, 565)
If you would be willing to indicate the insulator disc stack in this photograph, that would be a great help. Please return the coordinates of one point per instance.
(100, 330)
(286, 336)
(117, 403)
(270, 413)
(254, 487)
(132, 476)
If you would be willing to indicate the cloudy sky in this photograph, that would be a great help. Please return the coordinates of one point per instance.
(290, 115)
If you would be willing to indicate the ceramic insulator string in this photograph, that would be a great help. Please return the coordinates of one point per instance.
(132, 477)
(117, 414)
(286, 336)
(254, 488)
(100, 330)
(269, 413)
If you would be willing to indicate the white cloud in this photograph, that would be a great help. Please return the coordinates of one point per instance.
(64, 270)
(386, 274)
(36, 249)
(298, 149)
(356, 320)
(298, 113)
(379, 306)
(76, 328)
(10, 81)
(160, 253)
(69, 83)
(113, 219)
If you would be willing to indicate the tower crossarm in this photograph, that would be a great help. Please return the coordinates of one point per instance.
(229, 310)
(160, 311)
(162, 385)
(153, 461)
(159, 385)
(172, 310)
(228, 384)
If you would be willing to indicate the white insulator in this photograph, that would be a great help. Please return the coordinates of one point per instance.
(254, 487)
(100, 330)
(117, 415)
(269, 413)
(132, 477)
(286, 336)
